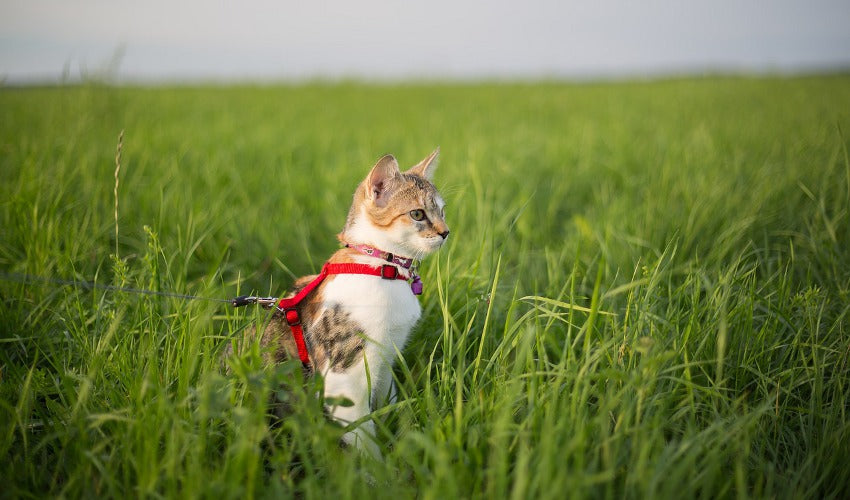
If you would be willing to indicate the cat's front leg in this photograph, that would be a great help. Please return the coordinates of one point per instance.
(352, 384)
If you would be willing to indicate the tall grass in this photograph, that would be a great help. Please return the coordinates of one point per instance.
(645, 293)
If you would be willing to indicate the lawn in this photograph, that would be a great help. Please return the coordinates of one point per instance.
(645, 294)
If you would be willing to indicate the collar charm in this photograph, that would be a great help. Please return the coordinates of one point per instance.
(416, 285)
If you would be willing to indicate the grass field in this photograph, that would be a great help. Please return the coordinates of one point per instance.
(645, 294)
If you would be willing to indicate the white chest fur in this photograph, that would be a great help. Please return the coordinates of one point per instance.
(385, 309)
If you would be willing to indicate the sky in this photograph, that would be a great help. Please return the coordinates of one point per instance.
(265, 40)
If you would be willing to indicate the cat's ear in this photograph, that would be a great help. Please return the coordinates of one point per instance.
(382, 172)
(426, 167)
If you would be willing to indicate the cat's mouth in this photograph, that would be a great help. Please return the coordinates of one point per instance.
(435, 242)
(424, 247)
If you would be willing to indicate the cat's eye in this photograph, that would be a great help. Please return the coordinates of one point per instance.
(417, 214)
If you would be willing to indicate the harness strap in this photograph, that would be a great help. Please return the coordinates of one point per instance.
(289, 305)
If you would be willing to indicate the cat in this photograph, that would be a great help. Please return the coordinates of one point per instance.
(354, 324)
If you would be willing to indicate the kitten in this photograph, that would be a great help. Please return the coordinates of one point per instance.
(354, 323)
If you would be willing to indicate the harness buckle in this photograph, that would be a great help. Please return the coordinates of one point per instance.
(292, 317)
(389, 272)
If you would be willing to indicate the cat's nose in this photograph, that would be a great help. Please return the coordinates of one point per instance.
(444, 234)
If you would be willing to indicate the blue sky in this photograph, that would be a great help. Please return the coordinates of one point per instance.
(403, 40)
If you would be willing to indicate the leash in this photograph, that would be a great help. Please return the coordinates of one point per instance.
(288, 306)
(29, 279)
(386, 272)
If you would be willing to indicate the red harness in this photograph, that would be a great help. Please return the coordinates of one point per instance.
(289, 305)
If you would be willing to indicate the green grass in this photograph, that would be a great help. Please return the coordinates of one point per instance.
(645, 295)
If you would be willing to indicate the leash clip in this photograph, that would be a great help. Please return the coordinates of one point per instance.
(244, 300)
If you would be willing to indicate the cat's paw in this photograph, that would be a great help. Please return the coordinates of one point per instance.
(364, 443)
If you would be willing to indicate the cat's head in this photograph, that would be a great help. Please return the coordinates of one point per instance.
(398, 212)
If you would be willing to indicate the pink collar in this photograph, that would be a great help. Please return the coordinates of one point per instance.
(405, 262)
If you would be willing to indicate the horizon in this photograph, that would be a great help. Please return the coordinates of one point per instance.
(263, 41)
